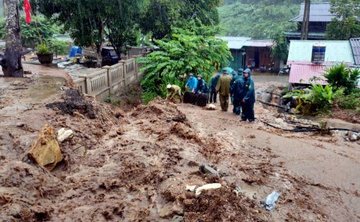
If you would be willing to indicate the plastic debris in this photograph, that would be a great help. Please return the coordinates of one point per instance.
(270, 200)
(209, 186)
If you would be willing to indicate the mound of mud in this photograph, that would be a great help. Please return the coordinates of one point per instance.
(73, 102)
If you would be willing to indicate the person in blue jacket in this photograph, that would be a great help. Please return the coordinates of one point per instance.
(213, 82)
(191, 83)
(248, 101)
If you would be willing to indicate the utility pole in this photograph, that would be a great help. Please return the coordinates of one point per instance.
(305, 23)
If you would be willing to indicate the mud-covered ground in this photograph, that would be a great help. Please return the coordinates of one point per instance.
(135, 165)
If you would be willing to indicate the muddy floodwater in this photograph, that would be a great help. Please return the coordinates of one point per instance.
(135, 165)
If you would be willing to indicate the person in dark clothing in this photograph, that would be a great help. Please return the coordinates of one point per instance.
(236, 88)
(213, 94)
(201, 85)
(233, 76)
(248, 101)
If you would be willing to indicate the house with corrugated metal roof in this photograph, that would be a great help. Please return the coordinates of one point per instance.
(311, 58)
(320, 16)
(247, 51)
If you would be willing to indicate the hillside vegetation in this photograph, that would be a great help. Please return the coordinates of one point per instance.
(258, 19)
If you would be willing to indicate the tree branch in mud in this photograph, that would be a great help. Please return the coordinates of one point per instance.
(11, 61)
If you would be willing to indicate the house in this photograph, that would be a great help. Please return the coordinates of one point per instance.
(246, 50)
(311, 58)
(320, 16)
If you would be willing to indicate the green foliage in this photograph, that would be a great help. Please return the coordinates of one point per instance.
(258, 19)
(92, 23)
(187, 51)
(341, 76)
(43, 49)
(346, 24)
(351, 101)
(60, 46)
(113, 101)
(30, 32)
(311, 102)
(322, 97)
(161, 15)
(280, 48)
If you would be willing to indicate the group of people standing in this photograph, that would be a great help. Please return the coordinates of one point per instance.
(237, 86)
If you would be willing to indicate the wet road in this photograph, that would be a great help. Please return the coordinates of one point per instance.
(263, 78)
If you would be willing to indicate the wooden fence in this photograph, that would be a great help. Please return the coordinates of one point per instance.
(109, 80)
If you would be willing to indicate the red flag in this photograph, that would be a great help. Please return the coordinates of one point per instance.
(27, 9)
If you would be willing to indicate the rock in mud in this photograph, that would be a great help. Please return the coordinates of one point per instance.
(352, 136)
(64, 134)
(45, 149)
(265, 97)
(208, 169)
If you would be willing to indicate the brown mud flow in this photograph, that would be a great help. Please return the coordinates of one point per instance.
(135, 165)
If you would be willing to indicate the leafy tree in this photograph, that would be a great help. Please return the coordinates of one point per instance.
(162, 15)
(258, 19)
(346, 24)
(187, 51)
(122, 28)
(280, 48)
(30, 32)
(342, 77)
(90, 22)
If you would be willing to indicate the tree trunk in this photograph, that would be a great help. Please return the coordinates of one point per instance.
(97, 49)
(11, 64)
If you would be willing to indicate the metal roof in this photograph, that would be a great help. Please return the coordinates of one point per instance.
(319, 12)
(240, 42)
(336, 51)
(355, 46)
(301, 73)
(259, 43)
(234, 42)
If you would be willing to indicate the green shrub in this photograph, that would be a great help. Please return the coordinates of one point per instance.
(348, 101)
(318, 99)
(186, 51)
(43, 49)
(322, 97)
(341, 76)
(60, 46)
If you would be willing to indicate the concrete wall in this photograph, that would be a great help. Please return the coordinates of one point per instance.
(109, 80)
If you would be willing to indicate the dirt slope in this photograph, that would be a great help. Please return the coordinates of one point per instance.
(135, 166)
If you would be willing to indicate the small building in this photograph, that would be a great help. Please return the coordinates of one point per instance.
(311, 58)
(247, 51)
(320, 17)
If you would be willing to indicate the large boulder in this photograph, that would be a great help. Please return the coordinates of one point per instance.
(45, 149)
